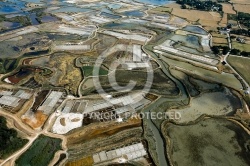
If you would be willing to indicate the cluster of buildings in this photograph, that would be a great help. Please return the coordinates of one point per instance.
(53, 99)
(120, 105)
(123, 154)
(167, 47)
(13, 100)
(139, 59)
(76, 113)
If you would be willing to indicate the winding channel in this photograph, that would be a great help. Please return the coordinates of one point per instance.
(160, 146)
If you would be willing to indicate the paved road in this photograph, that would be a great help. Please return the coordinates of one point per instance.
(235, 72)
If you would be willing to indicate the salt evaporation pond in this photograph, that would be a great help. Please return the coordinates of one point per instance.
(48, 19)
(134, 13)
(10, 25)
(155, 2)
(195, 29)
(9, 10)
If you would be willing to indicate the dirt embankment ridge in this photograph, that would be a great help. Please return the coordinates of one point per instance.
(92, 131)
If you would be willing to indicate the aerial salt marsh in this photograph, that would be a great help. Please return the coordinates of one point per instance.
(187, 81)
(213, 103)
(208, 142)
(224, 78)
(188, 40)
(195, 29)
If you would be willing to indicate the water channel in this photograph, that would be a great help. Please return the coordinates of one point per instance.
(160, 146)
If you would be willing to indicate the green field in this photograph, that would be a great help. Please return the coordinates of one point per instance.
(10, 142)
(241, 65)
(41, 152)
(88, 71)
(241, 47)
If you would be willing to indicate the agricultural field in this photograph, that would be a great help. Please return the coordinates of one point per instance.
(80, 152)
(242, 8)
(240, 1)
(215, 34)
(209, 20)
(241, 65)
(246, 38)
(41, 152)
(240, 46)
(208, 23)
(195, 15)
(173, 5)
(88, 71)
(217, 41)
(223, 22)
(165, 9)
(88, 161)
(228, 8)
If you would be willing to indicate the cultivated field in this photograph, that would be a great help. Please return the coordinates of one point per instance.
(195, 15)
(41, 152)
(223, 21)
(173, 5)
(88, 71)
(242, 8)
(218, 40)
(208, 23)
(215, 34)
(240, 46)
(241, 65)
(79, 154)
(240, 1)
(228, 8)
(88, 161)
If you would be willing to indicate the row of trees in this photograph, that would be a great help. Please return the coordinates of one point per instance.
(224, 50)
(240, 53)
(200, 5)
(220, 49)
(243, 32)
(10, 142)
(244, 18)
